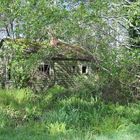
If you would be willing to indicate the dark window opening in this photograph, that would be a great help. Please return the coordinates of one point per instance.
(73, 69)
(40, 68)
(9, 74)
(45, 68)
(84, 69)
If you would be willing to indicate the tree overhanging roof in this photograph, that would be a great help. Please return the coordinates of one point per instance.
(63, 51)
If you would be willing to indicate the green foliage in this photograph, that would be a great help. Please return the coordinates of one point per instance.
(57, 128)
(76, 22)
(22, 64)
(90, 109)
(24, 115)
(115, 68)
(134, 24)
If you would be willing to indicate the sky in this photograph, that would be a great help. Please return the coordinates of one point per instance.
(2, 34)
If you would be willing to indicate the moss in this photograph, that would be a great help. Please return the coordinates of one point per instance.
(62, 50)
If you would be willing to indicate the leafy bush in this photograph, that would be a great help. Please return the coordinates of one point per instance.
(65, 114)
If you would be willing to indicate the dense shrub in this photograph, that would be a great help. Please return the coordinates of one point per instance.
(65, 114)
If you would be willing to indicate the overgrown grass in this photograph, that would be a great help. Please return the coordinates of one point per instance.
(65, 114)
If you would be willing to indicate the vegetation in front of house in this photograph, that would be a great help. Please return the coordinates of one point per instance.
(21, 59)
(65, 114)
(104, 105)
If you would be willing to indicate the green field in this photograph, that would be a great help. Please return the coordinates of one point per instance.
(61, 114)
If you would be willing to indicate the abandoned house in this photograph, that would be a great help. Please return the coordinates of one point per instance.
(54, 62)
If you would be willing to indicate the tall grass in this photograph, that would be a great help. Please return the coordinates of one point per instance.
(64, 114)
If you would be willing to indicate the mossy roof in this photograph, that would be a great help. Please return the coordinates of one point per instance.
(63, 51)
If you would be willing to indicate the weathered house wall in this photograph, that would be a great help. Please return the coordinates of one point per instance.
(64, 63)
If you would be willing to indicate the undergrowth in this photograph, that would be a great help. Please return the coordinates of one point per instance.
(65, 114)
